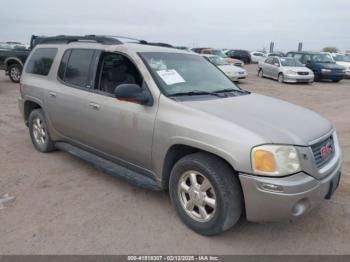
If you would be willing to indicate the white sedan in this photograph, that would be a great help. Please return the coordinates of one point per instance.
(258, 56)
(235, 73)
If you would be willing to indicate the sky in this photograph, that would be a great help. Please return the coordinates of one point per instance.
(245, 24)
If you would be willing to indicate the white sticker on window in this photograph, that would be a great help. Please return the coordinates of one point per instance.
(171, 76)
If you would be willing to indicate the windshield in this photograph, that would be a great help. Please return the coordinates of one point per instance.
(322, 58)
(290, 62)
(182, 73)
(341, 58)
(219, 53)
(217, 60)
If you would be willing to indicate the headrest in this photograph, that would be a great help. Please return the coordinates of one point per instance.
(117, 74)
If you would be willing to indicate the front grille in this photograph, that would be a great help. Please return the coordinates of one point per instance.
(303, 73)
(323, 151)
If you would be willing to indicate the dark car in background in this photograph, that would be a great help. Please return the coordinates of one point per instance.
(243, 55)
(322, 65)
(12, 57)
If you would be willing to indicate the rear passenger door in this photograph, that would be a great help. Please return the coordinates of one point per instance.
(69, 100)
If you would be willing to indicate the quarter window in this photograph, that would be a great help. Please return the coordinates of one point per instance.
(41, 61)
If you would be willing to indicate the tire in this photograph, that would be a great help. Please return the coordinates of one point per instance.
(39, 132)
(280, 78)
(15, 71)
(224, 187)
(317, 77)
(260, 73)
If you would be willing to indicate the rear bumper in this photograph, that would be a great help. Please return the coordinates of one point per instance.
(293, 196)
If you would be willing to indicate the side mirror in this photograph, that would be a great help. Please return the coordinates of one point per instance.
(133, 93)
(308, 62)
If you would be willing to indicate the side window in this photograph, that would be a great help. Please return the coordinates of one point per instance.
(290, 55)
(275, 61)
(63, 65)
(77, 69)
(305, 59)
(41, 61)
(268, 60)
(116, 69)
(298, 56)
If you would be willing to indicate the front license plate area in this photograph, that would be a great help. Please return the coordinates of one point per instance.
(333, 185)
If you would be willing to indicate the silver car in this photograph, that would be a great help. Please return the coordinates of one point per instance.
(285, 70)
(166, 119)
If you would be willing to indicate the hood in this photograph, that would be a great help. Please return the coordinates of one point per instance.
(297, 68)
(231, 68)
(328, 65)
(274, 120)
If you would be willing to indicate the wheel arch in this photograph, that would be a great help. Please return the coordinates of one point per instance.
(179, 150)
(28, 107)
(12, 60)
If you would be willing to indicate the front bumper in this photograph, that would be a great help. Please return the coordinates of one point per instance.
(293, 196)
(299, 78)
(237, 77)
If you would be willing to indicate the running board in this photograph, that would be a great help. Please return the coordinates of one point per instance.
(110, 167)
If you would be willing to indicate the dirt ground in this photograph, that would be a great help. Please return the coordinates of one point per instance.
(64, 206)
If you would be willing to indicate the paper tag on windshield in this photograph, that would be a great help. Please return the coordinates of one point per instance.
(171, 76)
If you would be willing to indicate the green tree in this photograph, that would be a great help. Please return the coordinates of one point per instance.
(330, 49)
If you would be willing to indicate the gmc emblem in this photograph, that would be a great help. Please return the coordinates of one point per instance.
(326, 150)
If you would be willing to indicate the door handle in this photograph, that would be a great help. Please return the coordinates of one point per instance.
(94, 106)
(52, 94)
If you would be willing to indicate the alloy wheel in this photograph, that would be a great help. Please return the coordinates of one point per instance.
(197, 196)
(39, 131)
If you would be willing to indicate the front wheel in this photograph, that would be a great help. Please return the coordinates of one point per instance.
(15, 72)
(281, 78)
(206, 193)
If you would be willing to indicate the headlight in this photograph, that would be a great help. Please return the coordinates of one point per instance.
(275, 160)
(291, 72)
(326, 71)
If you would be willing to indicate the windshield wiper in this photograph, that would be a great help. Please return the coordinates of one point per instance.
(232, 90)
(195, 93)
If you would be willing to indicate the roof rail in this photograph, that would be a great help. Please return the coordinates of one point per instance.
(107, 40)
(66, 39)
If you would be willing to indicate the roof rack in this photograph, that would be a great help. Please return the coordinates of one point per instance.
(65, 39)
(106, 40)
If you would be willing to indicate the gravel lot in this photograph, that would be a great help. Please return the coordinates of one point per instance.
(64, 206)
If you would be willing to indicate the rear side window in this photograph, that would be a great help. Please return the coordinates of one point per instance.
(75, 67)
(41, 61)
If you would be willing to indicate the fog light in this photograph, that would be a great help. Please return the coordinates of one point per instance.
(272, 187)
(301, 207)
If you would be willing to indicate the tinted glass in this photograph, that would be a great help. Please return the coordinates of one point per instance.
(77, 71)
(298, 56)
(290, 62)
(41, 61)
(177, 73)
(63, 64)
(322, 58)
